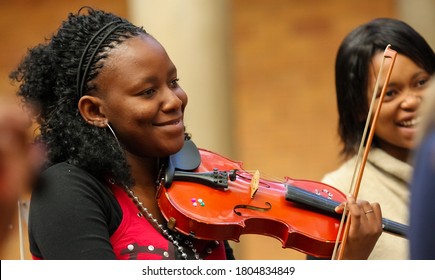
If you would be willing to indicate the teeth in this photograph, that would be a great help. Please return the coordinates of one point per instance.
(410, 123)
(169, 123)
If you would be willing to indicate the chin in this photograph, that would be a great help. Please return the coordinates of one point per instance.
(175, 146)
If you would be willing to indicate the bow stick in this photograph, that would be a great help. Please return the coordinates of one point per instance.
(355, 185)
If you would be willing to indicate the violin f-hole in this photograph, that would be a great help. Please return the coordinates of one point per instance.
(255, 208)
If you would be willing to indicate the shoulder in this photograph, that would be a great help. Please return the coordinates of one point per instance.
(64, 181)
(65, 188)
(64, 170)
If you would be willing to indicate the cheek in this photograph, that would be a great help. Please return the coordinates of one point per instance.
(133, 111)
(131, 121)
(138, 120)
(385, 123)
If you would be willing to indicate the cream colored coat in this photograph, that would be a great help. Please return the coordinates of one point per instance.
(386, 181)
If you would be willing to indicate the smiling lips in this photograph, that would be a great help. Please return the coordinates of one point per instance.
(409, 123)
(171, 122)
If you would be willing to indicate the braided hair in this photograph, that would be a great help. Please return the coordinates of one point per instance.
(54, 75)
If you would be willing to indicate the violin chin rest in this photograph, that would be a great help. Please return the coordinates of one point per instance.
(188, 158)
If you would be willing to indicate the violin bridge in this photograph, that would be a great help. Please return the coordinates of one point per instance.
(255, 181)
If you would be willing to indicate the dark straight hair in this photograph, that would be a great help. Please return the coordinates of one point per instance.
(352, 71)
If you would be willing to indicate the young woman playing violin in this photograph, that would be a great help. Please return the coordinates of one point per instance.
(387, 172)
(111, 113)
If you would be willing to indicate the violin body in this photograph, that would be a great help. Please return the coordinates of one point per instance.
(210, 213)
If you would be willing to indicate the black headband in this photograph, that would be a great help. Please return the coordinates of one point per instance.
(81, 78)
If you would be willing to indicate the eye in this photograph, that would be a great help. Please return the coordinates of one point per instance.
(148, 92)
(390, 95)
(422, 82)
(174, 83)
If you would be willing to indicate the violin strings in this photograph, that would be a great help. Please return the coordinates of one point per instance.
(263, 176)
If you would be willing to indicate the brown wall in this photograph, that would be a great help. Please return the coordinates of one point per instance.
(25, 23)
(283, 83)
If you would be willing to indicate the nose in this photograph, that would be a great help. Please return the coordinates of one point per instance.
(174, 99)
(411, 101)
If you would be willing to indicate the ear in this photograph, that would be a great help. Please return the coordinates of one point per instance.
(92, 112)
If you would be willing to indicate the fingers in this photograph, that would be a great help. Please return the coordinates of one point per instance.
(363, 209)
(371, 210)
(359, 208)
(350, 201)
(365, 227)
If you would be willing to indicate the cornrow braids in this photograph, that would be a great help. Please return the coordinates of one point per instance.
(52, 78)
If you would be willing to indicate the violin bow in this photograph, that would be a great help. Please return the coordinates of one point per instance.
(360, 162)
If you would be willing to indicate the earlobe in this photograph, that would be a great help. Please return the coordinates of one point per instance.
(91, 111)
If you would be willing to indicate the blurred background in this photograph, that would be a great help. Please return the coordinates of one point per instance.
(259, 75)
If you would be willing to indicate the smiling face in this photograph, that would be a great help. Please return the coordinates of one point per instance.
(396, 125)
(141, 99)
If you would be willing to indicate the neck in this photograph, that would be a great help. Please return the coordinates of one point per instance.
(145, 172)
(401, 154)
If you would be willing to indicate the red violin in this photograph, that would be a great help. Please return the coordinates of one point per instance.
(211, 197)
